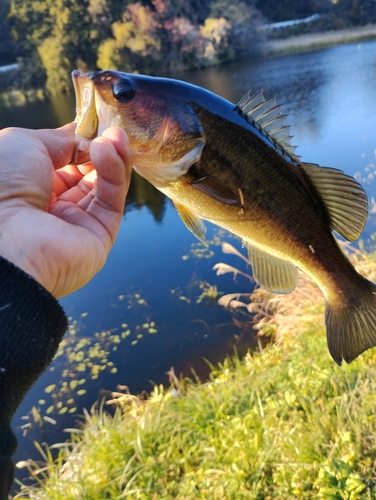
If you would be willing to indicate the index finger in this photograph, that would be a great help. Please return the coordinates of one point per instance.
(60, 143)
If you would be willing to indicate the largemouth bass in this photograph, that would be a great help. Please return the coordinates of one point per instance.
(233, 165)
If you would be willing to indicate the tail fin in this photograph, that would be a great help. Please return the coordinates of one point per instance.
(352, 330)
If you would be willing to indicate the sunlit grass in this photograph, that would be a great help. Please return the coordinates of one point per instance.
(314, 41)
(283, 423)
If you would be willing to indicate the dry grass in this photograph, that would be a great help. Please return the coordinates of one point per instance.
(285, 315)
(314, 41)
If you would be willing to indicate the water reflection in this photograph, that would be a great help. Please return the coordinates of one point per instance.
(142, 193)
(49, 113)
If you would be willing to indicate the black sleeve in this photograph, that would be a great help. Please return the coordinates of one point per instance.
(32, 324)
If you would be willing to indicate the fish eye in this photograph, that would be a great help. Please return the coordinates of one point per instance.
(124, 90)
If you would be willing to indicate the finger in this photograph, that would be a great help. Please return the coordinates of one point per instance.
(81, 193)
(69, 176)
(60, 143)
(112, 158)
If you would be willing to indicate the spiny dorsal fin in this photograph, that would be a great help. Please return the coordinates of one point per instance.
(266, 115)
(273, 274)
(344, 198)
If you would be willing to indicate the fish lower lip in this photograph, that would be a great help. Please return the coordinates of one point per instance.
(76, 73)
(86, 117)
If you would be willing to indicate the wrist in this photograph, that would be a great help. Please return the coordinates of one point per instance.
(21, 259)
(19, 240)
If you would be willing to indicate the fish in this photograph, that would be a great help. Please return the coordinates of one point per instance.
(234, 166)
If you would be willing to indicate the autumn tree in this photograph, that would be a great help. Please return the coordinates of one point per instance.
(134, 42)
(168, 36)
(64, 33)
(148, 36)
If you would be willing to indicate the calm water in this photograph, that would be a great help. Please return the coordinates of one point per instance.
(139, 316)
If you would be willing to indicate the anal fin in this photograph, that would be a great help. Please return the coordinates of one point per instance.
(192, 221)
(272, 273)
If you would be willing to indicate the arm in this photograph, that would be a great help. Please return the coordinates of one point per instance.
(57, 224)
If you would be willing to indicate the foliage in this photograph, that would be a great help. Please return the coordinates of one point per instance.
(168, 38)
(334, 15)
(134, 43)
(65, 33)
(355, 12)
(161, 36)
(285, 10)
(56, 64)
(280, 424)
(7, 49)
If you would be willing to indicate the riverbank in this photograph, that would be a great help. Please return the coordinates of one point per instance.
(315, 41)
(284, 423)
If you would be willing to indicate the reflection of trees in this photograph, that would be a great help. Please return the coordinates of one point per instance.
(142, 193)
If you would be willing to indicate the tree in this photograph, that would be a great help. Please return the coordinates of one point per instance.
(135, 43)
(285, 10)
(356, 12)
(150, 36)
(65, 33)
(7, 47)
(56, 64)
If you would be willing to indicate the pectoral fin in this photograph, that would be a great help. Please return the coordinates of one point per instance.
(272, 273)
(192, 221)
(345, 199)
(213, 187)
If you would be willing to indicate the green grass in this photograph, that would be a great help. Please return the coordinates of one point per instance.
(286, 423)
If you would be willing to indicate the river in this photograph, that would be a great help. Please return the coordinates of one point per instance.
(145, 311)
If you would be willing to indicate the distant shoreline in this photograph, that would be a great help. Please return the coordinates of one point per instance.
(315, 41)
(290, 45)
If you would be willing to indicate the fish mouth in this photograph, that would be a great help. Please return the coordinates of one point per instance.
(86, 114)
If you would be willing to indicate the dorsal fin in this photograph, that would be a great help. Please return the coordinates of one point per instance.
(266, 115)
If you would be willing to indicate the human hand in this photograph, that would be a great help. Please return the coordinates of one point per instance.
(59, 221)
